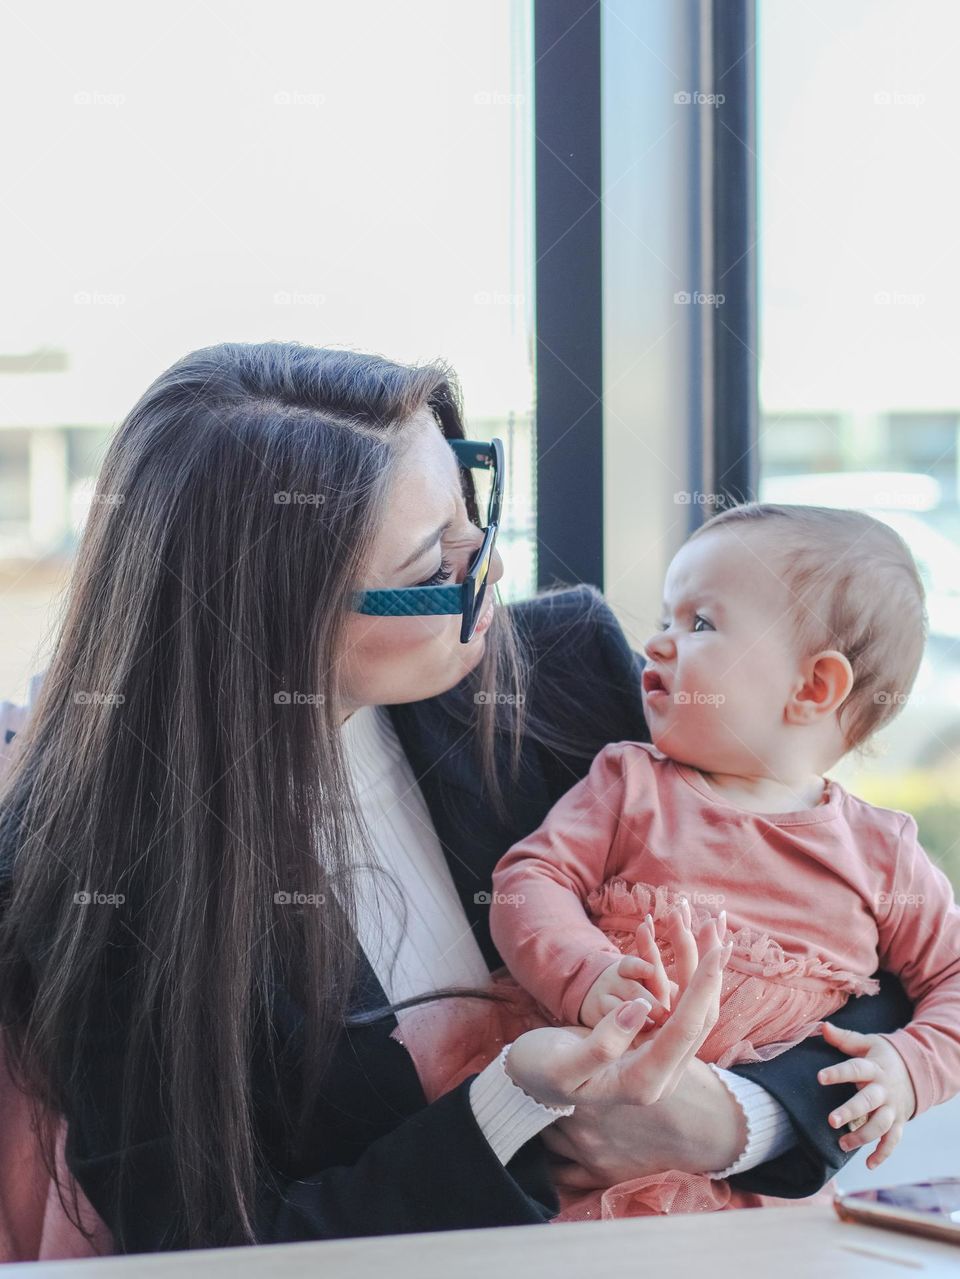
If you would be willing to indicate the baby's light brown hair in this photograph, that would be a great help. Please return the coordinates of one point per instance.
(856, 589)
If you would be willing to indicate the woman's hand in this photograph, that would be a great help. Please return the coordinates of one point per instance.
(700, 1127)
(613, 1063)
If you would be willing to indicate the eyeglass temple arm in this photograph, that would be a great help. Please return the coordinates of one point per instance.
(472, 453)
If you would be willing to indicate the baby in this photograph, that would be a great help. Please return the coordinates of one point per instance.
(790, 635)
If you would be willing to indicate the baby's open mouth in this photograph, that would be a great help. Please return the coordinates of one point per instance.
(651, 682)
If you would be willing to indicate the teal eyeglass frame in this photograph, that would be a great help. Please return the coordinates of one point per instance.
(464, 597)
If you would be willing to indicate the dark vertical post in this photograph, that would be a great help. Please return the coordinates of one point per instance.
(735, 360)
(569, 292)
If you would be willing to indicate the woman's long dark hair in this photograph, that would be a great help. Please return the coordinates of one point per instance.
(164, 791)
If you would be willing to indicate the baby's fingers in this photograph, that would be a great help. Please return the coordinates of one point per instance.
(612, 1000)
(856, 1070)
(870, 1097)
(880, 1122)
(627, 982)
(888, 1143)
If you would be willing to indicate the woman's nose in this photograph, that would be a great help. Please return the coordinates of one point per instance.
(496, 567)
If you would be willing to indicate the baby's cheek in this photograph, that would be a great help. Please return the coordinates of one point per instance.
(692, 730)
(677, 730)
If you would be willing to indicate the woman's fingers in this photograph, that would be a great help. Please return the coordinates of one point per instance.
(650, 1071)
(657, 979)
(710, 932)
(606, 1043)
(684, 944)
(600, 1067)
(719, 954)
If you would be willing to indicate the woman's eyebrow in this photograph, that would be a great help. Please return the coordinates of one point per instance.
(423, 547)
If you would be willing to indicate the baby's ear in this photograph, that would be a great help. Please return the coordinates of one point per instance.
(824, 685)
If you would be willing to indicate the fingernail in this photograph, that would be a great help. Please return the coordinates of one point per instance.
(723, 921)
(633, 1013)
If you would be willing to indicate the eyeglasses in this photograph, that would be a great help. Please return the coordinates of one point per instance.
(464, 597)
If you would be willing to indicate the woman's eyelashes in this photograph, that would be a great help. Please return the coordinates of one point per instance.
(442, 574)
(460, 549)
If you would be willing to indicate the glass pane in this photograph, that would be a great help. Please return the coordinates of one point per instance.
(367, 184)
(859, 117)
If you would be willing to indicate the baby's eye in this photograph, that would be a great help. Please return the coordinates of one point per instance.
(700, 618)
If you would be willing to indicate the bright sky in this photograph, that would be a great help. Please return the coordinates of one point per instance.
(359, 173)
(346, 174)
(859, 184)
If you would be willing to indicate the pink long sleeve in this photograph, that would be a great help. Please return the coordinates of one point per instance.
(537, 918)
(920, 942)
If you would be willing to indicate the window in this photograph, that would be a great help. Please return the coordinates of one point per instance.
(366, 184)
(858, 120)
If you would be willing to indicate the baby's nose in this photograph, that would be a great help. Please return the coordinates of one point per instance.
(658, 645)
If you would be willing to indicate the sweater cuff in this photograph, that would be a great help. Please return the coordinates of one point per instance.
(506, 1115)
(769, 1130)
(919, 1067)
(591, 967)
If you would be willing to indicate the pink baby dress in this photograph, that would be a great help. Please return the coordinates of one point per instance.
(817, 900)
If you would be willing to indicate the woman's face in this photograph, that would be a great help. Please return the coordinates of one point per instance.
(425, 532)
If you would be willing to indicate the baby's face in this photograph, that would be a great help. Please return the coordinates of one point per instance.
(719, 674)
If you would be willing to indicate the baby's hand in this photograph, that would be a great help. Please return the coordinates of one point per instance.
(886, 1099)
(640, 976)
(618, 984)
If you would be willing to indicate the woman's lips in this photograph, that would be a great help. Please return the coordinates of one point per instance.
(484, 621)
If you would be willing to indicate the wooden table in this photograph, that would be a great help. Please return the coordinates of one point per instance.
(775, 1243)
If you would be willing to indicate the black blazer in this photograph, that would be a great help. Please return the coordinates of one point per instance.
(381, 1160)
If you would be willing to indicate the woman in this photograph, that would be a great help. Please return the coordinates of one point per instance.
(196, 954)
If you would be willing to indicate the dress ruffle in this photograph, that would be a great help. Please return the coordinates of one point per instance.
(617, 907)
(667, 1194)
